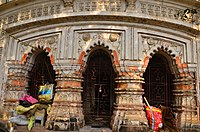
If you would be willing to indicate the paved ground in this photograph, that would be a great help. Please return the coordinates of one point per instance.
(84, 129)
(42, 129)
(39, 128)
(35, 129)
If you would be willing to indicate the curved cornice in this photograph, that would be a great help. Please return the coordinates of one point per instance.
(195, 3)
(12, 4)
(21, 14)
(104, 19)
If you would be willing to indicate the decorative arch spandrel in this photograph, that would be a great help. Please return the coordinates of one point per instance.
(173, 50)
(109, 42)
(30, 49)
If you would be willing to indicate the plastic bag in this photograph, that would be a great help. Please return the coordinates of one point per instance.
(154, 117)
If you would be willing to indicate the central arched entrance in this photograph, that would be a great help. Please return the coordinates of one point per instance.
(158, 84)
(98, 94)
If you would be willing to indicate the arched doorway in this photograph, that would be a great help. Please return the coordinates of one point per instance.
(158, 84)
(98, 94)
(41, 73)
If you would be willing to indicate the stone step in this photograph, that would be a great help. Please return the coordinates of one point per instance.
(91, 129)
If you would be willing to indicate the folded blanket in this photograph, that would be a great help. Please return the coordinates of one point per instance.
(19, 120)
(29, 99)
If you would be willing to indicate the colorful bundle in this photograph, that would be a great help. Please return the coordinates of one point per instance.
(154, 117)
(46, 93)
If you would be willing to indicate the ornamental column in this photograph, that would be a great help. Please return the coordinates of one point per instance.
(15, 85)
(67, 103)
(129, 112)
(185, 102)
(185, 97)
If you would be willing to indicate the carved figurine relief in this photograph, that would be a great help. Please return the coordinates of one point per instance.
(171, 12)
(187, 15)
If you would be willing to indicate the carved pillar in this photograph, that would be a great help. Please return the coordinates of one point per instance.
(15, 85)
(129, 109)
(2, 68)
(67, 103)
(185, 102)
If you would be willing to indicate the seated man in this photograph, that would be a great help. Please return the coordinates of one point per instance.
(168, 119)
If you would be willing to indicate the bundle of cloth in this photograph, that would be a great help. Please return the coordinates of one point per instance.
(28, 105)
(154, 117)
(161, 119)
(30, 112)
(18, 119)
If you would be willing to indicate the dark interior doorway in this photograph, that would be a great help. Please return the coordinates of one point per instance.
(42, 72)
(98, 94)
(158, 81)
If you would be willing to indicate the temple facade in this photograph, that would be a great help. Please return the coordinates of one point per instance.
(104, 57)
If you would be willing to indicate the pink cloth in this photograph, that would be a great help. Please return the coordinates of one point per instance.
(29, 99)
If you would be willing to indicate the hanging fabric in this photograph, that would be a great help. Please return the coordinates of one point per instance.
(46, 93)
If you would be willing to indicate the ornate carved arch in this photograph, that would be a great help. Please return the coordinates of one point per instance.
(29, 58)
(32, 63)
(158, 86)
(171, 50)
(32, 48)
(83, 58)
(168, 54)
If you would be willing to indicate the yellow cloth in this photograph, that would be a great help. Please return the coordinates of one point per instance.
(30, 112)
(21, 109)
(31, 122)
(44, 97)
